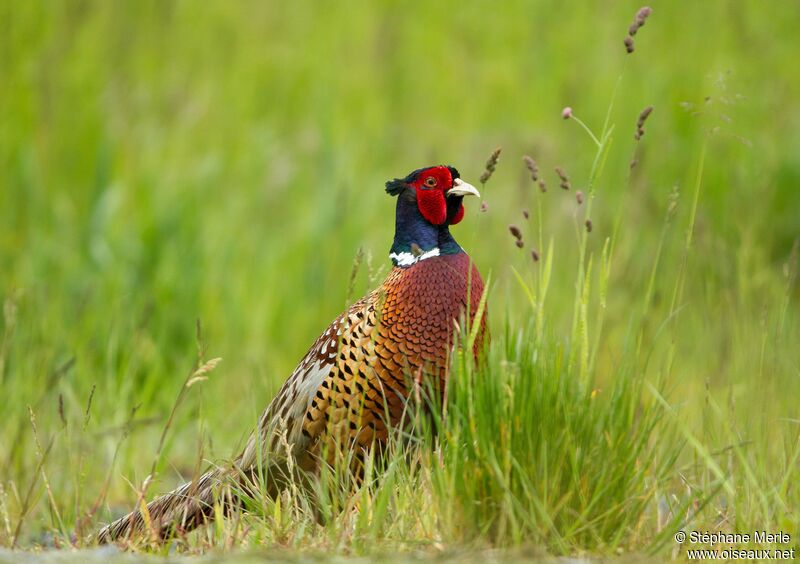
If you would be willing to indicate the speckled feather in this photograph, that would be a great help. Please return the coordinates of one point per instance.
(349, 389)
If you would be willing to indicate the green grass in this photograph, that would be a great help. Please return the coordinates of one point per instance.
(163, 163)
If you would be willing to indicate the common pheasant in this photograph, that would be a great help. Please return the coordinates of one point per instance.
(352, 385)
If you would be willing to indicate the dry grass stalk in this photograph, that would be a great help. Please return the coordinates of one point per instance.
(27, 501)
(196, 375)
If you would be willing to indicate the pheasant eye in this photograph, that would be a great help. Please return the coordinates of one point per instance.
(430, 182)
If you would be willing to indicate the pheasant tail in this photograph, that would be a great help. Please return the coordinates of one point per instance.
(183, 509)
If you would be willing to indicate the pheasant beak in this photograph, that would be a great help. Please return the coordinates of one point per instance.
(461, 188)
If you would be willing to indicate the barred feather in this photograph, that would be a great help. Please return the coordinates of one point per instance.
(350, 388)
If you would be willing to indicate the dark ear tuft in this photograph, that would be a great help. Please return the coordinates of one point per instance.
(454, 172)
(394, 187)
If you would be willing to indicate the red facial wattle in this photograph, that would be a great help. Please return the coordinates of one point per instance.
(432, 206)
(458, 216)
(431, 186)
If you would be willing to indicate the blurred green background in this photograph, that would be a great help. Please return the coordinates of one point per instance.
(162, 162)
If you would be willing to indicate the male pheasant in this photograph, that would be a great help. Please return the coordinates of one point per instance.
(351, 387)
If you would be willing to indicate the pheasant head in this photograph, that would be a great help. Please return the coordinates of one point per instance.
(429, 200)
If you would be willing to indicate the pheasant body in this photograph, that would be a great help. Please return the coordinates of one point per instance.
(359, 368)
(351, 387)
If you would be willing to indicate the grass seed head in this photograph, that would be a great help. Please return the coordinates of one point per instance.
(638, 21)
(588, 225)
(579, 197)
(674, 196)
(542, 186)
(644, 115)
(491, 165)
(562, 176)
(530, 164)
(525, 214)
(535, 255)
(517, 233)
(484, 206)
(640, 122)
